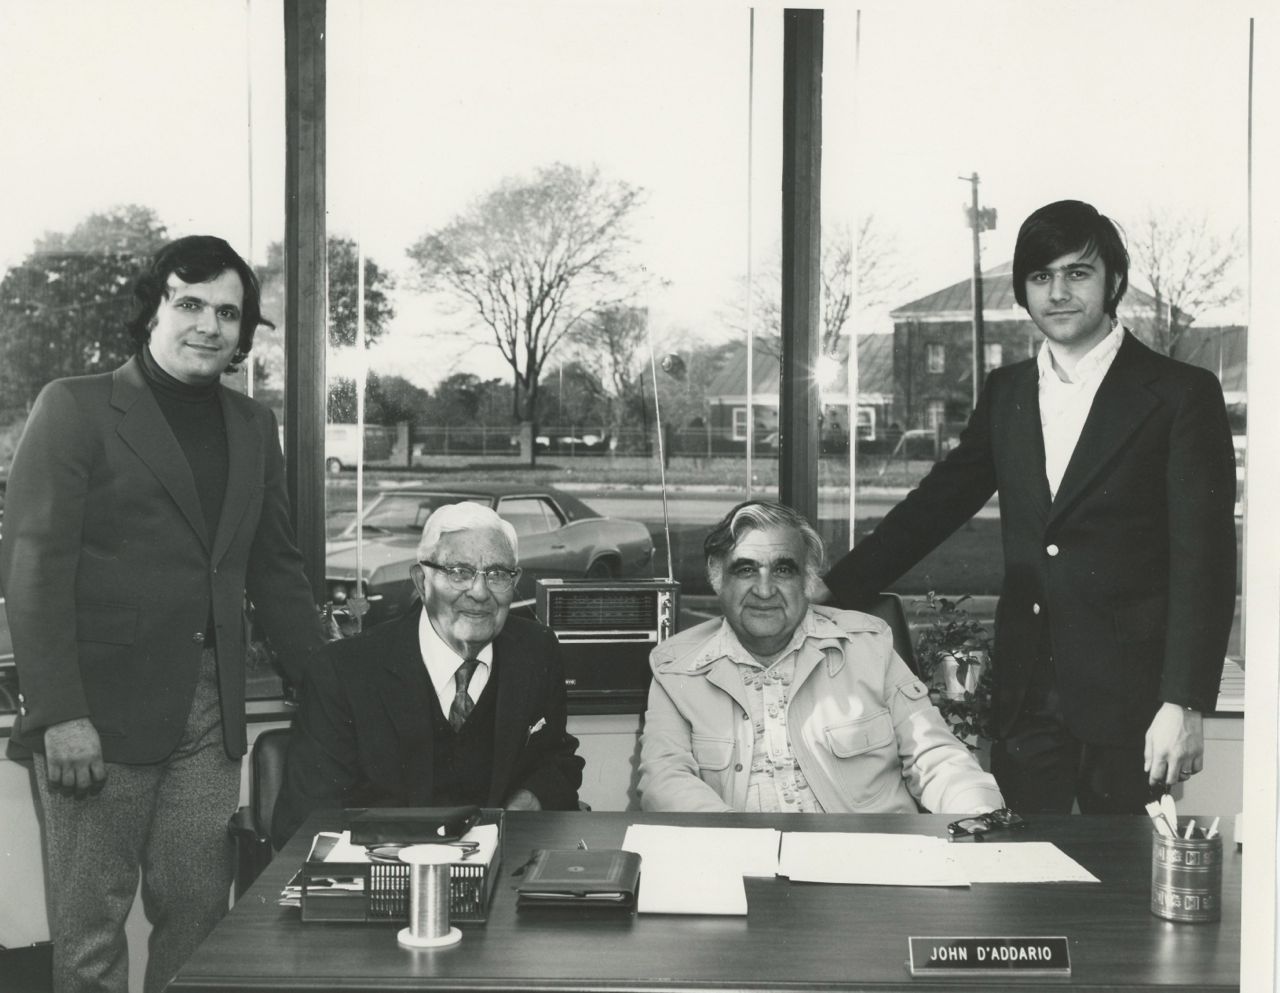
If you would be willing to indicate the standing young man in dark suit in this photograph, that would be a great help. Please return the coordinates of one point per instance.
(455, 703)
(143, 505)
(1116, 477)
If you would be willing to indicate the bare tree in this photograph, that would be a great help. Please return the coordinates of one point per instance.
(530, 260)
(879, 277)
(611, 344)
(1188, 267)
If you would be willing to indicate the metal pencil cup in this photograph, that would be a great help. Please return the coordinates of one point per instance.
(1186, 878)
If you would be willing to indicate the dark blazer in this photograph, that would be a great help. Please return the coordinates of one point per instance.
(361, 738)
(1133, 563)
(110, 575)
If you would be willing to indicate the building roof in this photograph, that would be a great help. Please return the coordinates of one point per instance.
(955, 302)
(875, 371)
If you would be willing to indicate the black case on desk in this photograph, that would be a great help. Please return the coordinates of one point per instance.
(385, 896)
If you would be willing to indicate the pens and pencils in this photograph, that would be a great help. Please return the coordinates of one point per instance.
(1164, 817)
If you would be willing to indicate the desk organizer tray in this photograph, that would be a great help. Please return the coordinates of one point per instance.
(379, 891)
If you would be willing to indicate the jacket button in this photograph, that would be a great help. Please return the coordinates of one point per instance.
(738, 767)
(198, 637)
(1052, 550)
(21, 698)
(22, 711)
(745, 717)
(1035, 609)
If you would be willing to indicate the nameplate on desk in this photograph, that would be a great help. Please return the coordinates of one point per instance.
(989, 957)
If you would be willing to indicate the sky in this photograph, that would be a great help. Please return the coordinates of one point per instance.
(431, 104)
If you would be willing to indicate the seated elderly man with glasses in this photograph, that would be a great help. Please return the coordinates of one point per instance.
(455, 703)
(787, 706)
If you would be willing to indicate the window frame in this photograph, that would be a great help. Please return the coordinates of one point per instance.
(935, 358)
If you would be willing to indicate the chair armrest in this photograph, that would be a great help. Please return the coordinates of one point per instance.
(253, 848)
(244, 828)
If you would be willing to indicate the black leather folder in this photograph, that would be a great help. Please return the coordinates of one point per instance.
(606, 877)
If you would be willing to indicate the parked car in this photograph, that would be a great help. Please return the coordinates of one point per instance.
(922, 443)
(567, 444)
(559, 536)
(342, 449)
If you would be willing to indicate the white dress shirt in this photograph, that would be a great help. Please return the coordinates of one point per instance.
(1064, 407)
(443, 662)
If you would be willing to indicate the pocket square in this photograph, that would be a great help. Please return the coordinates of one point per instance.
(535, 728)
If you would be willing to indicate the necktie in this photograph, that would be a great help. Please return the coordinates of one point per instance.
(460, 709)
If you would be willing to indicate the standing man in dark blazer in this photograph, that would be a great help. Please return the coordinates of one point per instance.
(143, 506)
(456, 703)
(1116, 477)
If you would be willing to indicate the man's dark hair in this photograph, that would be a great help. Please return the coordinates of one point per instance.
(197, 258)
(1070, 226)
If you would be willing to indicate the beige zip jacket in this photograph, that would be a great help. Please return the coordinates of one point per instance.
(861, 726)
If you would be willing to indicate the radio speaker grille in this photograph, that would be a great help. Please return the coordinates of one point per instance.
(603, 610)
(607, 629)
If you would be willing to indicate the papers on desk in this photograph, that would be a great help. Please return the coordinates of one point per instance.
(699, 870)
(921, 860)
(476, 847)
(330, 847)
(868, 859)
(1019, 862)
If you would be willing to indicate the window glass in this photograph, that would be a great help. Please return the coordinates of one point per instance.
(928, 131)
(528, 516)
(937, 357)
(106, 162)
(462, 132)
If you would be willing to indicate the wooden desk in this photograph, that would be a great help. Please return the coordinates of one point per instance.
(796, 937)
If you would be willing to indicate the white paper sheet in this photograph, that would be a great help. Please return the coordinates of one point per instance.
(922, 860)
(868, 859)
(699, 870)
(1019, 862)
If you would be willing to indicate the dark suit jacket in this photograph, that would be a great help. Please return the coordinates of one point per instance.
(361, 737)
(110, 575)
(1133, 563)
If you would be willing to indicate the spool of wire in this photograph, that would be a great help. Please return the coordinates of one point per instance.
(429, 897)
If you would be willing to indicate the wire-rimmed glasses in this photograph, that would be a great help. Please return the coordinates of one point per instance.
(498, 578)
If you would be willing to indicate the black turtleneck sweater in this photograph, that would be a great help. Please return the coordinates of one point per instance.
(194, 414)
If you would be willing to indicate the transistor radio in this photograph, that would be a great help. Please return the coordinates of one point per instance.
(606, 630)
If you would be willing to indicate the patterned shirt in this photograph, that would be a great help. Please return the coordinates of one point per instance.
(775, 783)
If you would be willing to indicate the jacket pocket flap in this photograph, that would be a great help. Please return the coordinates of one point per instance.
(862, 735)
(115, 624)
(711, 753)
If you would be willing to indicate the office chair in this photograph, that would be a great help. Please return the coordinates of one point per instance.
(28, 969)
(251, 826)
(888, 607)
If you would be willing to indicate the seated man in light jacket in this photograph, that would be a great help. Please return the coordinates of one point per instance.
(786, 706)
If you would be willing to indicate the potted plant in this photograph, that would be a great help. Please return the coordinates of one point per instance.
(953, 649)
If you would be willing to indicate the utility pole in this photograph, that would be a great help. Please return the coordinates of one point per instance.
(980, 219)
